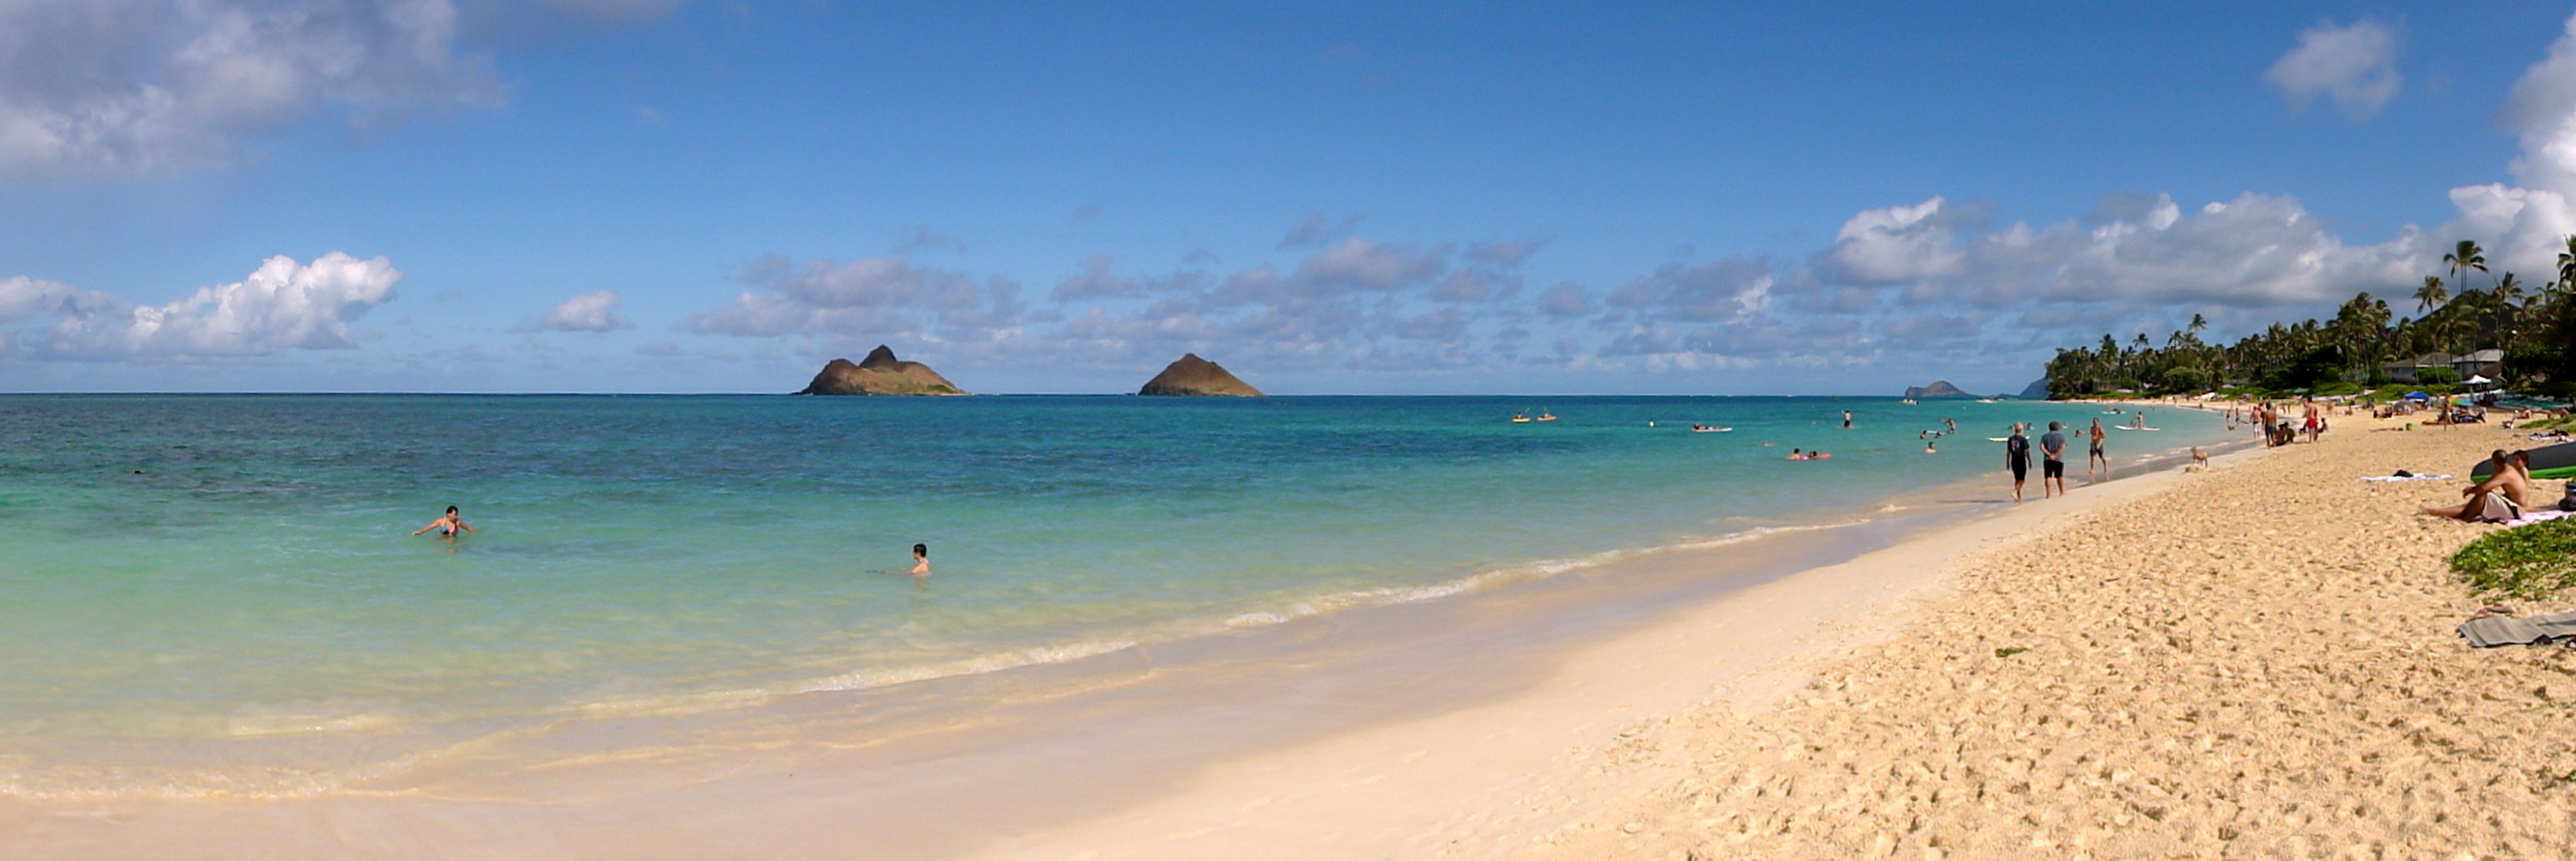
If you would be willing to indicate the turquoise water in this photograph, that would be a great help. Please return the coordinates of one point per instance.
(222, 569)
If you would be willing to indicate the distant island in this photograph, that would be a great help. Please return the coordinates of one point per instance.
(2036, 391)
(1194, 376)
(1938, 389)
(880, 374)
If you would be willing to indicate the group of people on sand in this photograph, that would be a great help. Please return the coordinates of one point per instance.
(451, 525)
(2502, 497)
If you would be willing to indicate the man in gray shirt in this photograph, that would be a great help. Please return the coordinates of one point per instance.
(2052, 468)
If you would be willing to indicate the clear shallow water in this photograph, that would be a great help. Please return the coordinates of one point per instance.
(257, 579)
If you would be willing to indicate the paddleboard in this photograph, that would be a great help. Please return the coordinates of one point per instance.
(1710, 430)
(2131, 428)
(2556, 461)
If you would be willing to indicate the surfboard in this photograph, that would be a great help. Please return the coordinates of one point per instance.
(1710, 430)
(2556, 461)
(2131, 428)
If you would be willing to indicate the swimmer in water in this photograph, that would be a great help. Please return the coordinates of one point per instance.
(1927, 448)
(920, 560)
(448, 525)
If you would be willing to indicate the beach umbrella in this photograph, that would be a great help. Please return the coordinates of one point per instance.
(2418, 396)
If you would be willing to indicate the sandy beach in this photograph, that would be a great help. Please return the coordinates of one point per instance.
(2254, 661)
(2257, 661)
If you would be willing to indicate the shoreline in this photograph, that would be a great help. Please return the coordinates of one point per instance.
(366, 814)
(1494, 779)
(2259, 662)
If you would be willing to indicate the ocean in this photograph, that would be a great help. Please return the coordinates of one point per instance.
(220, 595)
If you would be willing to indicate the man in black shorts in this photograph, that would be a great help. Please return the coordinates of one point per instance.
(2017, 458)
(2052, 467)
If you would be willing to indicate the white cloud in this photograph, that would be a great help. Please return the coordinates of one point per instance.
(2354, 66)
(282, 305)
(588, 312)
(147, 88)
(133, 87)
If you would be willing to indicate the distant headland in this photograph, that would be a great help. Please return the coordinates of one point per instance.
(1191, 375)
(880, 374)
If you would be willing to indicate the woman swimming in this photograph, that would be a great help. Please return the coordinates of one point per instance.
(448, 525)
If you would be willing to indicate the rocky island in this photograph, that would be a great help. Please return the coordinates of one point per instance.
(880, 374)
(1192, 375)
(1938, 389)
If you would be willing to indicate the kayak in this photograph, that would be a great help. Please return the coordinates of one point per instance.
(2556, 461)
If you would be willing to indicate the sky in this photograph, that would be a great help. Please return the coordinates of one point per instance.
(1327, 198)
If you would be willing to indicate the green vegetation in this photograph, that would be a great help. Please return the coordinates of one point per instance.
(2009, 651)
(2525, 562)
(2536, 332)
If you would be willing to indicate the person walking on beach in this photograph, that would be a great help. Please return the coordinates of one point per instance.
(448, 525)
(2017, 458)
(2096, 456)
(2052, 466)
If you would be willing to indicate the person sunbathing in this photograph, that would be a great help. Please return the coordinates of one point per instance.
(2501, 497)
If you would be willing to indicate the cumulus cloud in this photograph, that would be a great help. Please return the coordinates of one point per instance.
(283, 305)
(2354, 66)
(153, 88)
(588, 312)
(134, 87)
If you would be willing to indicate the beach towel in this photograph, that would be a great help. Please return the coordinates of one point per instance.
(2493, 631)
(2543, 515)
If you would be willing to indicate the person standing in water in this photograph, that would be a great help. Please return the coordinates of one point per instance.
(448, 525)
(920, 560)
(2097, 457)
(2017, 458)
(1847, 420)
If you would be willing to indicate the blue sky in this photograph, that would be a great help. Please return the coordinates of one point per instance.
(664, 195)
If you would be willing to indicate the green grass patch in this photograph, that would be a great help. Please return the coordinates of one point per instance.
(2524, 562)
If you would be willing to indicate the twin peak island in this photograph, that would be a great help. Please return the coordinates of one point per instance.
(883, 374)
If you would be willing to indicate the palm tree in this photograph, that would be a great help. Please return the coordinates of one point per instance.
(2464, 258)
(2431, 296)
(2198, 323)
(2567, 265)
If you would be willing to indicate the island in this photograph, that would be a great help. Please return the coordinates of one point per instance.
(879, 374)
(1938, 389)
(1194, 376)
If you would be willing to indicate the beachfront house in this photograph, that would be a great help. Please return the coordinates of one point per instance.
(2405, 370)
(2483, 363)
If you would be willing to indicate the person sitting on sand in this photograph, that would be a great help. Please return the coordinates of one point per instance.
(2499, 498)
(920, 560)
(448, 525)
